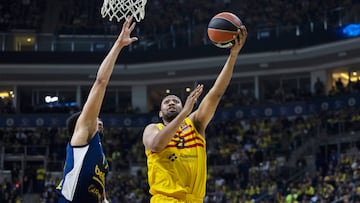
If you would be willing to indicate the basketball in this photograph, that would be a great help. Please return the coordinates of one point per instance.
(222, 28)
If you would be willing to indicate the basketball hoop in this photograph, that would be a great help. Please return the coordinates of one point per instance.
(122, 8)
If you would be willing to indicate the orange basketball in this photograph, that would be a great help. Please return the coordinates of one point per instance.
(222, 28)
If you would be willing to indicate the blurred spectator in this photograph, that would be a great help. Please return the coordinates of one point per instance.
(340, 86)
(40, 179)
(319, 87)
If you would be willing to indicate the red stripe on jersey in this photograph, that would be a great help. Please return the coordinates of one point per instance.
(189, 140)
(184, 147)
(195, 138)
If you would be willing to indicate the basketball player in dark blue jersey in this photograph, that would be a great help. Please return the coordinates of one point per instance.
(85, 165)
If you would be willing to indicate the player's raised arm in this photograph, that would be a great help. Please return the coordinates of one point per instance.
(208, 105)
(87, 123)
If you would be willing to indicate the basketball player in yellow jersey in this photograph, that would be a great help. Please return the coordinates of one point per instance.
(176, 148)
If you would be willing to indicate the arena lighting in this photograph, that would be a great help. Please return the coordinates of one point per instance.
(350, 30)
(344, 75)
(50, 99)
(4, 94)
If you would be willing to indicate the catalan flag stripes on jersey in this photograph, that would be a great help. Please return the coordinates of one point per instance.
(179, 170)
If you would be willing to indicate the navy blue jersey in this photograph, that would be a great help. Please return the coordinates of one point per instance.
(84, 175)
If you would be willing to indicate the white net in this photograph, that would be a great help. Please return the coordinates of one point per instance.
(120, 9)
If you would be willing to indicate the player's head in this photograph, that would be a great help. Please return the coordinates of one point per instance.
(170, 107)
(101, 127)
(71, 122)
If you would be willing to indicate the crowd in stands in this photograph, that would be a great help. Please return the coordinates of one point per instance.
(6, 106)
(170, 24)
(234, 98)
(283, 95)
(22, 15)
(253, 151)
(249, 150)
(162, 16)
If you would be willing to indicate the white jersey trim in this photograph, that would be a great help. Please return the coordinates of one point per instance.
(71, 178)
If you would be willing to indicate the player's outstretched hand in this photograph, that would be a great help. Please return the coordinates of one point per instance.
(192, 98)
(240, 39)
(124, 38)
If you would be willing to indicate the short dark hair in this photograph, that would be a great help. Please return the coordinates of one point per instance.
(71, 122)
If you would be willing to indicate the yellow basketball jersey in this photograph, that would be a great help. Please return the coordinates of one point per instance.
(179, 170)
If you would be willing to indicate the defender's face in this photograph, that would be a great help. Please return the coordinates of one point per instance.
(170, 107)
(100, 126)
